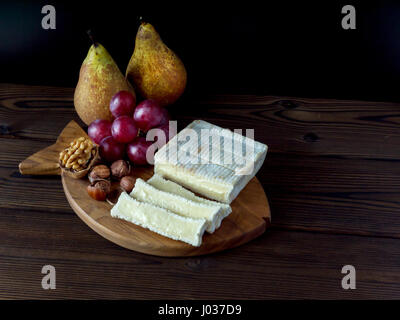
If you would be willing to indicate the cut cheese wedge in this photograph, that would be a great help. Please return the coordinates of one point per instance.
(177, 204)
(160, 183)
(210, 160)
(159, 220)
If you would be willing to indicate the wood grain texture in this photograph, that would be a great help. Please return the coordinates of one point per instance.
(332, 195)
(329, 194)
(311, 127)
(277, 265)
(288, 125)
(248, 220)
(331, 174)
(35, 113)
(243, 225)
(45, 161)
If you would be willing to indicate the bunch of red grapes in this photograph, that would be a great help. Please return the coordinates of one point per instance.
(120, 137)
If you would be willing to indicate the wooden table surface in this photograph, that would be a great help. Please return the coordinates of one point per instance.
(332, 175)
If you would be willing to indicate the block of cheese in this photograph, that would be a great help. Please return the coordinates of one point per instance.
(169, 186)
(159, 220)
(146, 193)
(214, 162)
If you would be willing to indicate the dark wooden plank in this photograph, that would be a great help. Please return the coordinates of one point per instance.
(353, 129)
(327, 194)
(330, 194)
(280, 264)
(27, 192)
(318, 127)
(332, 167)
(35, 112)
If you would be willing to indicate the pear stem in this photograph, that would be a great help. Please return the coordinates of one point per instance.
(141, 20)
(90, 34)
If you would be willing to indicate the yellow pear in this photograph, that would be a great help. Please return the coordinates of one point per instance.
(99, 79)
(155, 70)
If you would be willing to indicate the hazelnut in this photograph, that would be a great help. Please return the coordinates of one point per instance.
(99, 190)
(103, 185)
(127, 183)
(120, 168)
(113, 196)
(100, 172)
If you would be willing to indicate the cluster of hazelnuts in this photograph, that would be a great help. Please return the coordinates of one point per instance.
(100, 179)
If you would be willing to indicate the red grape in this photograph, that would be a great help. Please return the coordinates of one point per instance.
(165, 119)
(99, 129)
(137, 149)
(123, 129)
(148, 114)
(111, 150)
(122, 104)
(162, 130)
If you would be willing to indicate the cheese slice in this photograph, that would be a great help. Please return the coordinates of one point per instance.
(177, 204)
(213, 144)
(159, 220)
(218, 167)
(169, 186)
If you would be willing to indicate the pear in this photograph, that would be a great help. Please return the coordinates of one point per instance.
(99, 79)
(155, 70)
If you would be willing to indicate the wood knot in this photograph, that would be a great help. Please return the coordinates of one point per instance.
(311, 137)
(4, 129)
(287, 104)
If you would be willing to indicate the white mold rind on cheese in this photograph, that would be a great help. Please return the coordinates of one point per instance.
(194, 165)
(177, 204)
(160, 183)
(159, 220)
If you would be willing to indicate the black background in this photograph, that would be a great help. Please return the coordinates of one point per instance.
(288, 48)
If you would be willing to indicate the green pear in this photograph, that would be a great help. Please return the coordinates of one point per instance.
(155, 70)
(99, 79)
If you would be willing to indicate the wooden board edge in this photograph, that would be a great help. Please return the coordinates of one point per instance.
(32, 167)
(163, 251)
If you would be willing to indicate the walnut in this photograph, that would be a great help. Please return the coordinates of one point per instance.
(77, 159)
(120, 168)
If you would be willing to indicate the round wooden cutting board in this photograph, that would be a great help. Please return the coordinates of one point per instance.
(248, 220)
